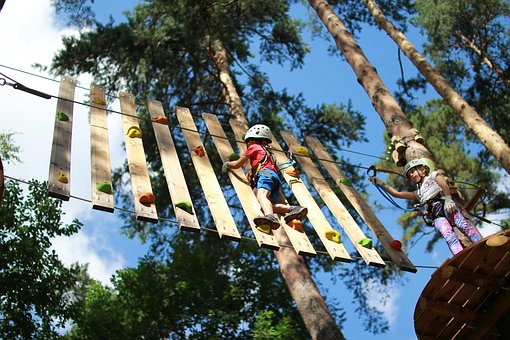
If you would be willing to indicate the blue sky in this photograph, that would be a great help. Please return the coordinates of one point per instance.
(35, 36)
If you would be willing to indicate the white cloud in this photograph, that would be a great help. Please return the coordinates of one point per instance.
(29, 35)
(386, 304)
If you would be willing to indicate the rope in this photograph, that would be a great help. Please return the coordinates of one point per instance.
(390, 198)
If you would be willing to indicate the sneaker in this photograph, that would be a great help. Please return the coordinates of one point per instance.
(295, 213)
(269, 219)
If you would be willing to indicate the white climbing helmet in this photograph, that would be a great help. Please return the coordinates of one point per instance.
(258, 131)
(417, 162)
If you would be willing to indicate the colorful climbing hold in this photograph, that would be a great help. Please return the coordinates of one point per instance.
(296, 225)
(61, 177)
(104, 187)
(333, 235)
(366, 242)
(294, 173)
(186, 206)
(396, 244)
(345, 181)
(62, 116)
(264, 228)
(302, 150)
(134, 132)
(160, 119)
(98, 101)
(199, 151)
(147, 198)
(234, 156)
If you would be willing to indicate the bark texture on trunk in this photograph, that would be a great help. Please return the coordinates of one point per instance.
(488, 136)
(310, 303)
(1, 181)
(383, 102)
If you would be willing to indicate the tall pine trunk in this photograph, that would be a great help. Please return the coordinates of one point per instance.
(383, 102)
(490, 138)
(310, 303)
(1, 181)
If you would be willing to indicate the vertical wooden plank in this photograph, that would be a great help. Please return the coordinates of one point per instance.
(59, 179)
(100, 152)
(173, 172)
(398, 256)
(349, 225)
(220, 211)
(246, 196)
(140, 180)
(319, 222)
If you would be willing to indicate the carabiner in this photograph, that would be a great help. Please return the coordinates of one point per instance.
(372, 168)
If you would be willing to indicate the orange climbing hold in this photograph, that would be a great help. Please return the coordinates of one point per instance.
(160, 119)
(147, 198)
(296, 225)
(199, 150)
(294, 173)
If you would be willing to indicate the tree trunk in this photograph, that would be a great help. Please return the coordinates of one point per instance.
(1, 181)
(490, 138)
(383, 102)
(310, 303)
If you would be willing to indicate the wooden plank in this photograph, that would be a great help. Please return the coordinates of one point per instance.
(59, 179)
(319, 222)
(220, 211)
(100, 152)
(349, 225)
(251, 206)
(175, 180)
(397, 256)
(472, 292)
(140, 180)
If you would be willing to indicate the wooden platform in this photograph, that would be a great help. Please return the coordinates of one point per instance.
(468, 297)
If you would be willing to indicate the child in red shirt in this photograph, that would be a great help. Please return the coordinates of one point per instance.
(265, 178)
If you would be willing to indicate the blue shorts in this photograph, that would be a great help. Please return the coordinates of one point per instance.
(268, 179)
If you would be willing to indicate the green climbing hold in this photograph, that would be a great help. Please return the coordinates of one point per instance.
(186, 206)
(234, 156)
(62, 116)
(345, 181)
(366, 242)
(105, 187)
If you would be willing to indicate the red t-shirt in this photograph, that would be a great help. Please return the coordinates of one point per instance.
(256, 153)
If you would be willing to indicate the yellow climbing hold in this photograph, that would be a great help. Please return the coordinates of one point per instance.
(62, 116)
(302, 150)
(134, 132)
(105, 187)
(98, 101)
(333, 235)
(186, 206)
(61, 177)
(264, 228)
(366, 242)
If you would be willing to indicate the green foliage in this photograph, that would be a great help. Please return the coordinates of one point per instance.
(468, 41)
(34, 284)
(203, 290)
(9, 151)
(268, 327)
